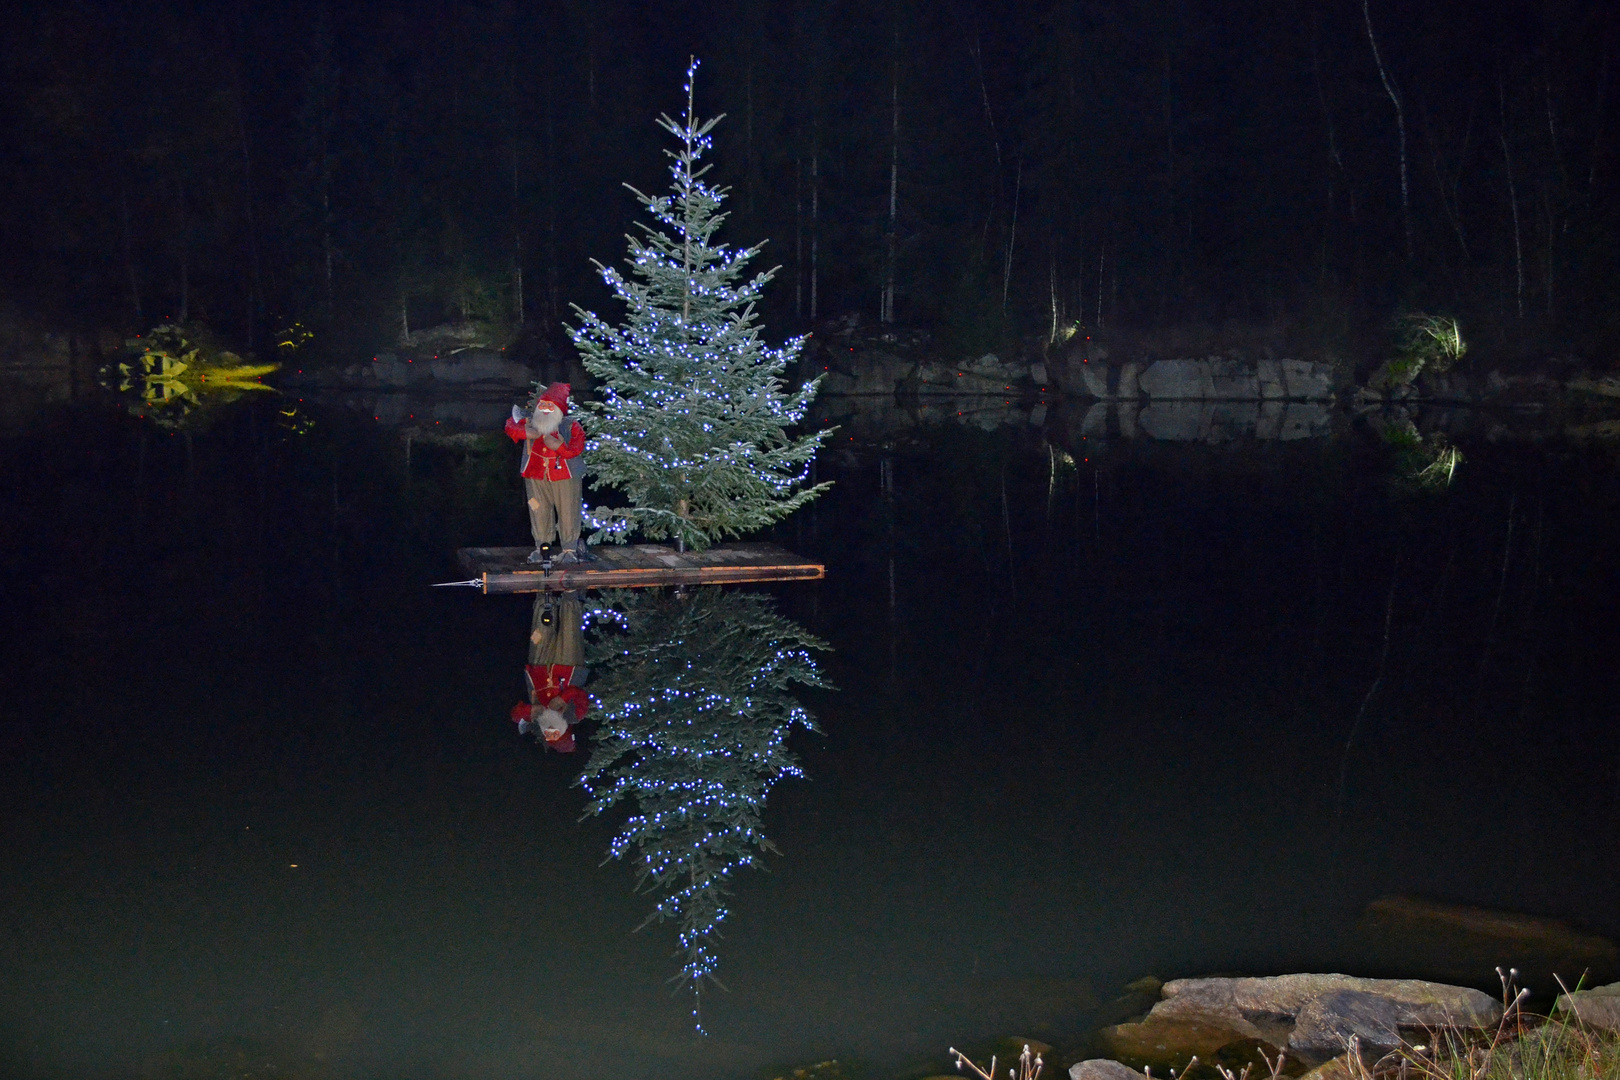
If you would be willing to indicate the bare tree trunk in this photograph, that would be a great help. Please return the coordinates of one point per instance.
(748, 126)
(517, 241)
(886, 306)
(1447, 186)
(256, 299)
(1170, 229)
(815, 224)
(1012, 239)
(1513, 197)
(1400, 128)
(1597, 123)
(1051, 275)
(798, 238)
(553, 284)
(1546, 198)
(995, 142)
(129, 248)
(326, 229)
(1547, 210)
(1102, 255)
(185, 253)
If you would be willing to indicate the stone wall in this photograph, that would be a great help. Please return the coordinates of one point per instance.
(1211, 379)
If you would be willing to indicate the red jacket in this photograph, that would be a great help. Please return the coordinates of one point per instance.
(541, 462)
(547, 681)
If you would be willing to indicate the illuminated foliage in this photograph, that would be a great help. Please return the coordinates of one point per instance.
(178, 370)
(692, 424)
(696, 706)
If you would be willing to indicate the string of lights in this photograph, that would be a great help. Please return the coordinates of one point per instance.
(692, 425)
(695, 699)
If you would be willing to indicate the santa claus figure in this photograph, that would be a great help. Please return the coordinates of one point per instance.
(551, 477)
(555, 672)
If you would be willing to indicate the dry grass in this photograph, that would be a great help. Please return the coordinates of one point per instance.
(1522, 1046)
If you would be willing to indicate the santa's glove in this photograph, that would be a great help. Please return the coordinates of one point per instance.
(518, 414)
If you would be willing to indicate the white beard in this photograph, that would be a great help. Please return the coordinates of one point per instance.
(551, 724)
(546, 422)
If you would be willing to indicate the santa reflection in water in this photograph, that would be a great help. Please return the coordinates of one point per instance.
(555, 672)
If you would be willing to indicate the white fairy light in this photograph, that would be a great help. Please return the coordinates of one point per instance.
(695, 704)
(693, 413)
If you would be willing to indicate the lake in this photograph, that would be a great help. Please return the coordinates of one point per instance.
(1097, 709)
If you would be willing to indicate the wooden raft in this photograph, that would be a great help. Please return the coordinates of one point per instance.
(636, 566)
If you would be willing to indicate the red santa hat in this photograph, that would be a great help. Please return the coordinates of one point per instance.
(557, 394)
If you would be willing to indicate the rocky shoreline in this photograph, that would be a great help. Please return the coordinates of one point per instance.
(1312, 1024)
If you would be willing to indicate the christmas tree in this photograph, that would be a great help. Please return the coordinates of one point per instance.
(696, 705)
(692, 422)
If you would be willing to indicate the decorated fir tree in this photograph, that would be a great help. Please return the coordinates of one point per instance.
(696, 705)
(692, 424)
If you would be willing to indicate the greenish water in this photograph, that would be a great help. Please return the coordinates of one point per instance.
(1088, 724)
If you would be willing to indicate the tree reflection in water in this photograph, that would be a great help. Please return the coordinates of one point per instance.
(696, 699)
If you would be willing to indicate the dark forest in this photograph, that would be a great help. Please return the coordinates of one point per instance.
(988, 172)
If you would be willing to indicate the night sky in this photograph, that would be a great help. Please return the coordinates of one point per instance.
(365, 167)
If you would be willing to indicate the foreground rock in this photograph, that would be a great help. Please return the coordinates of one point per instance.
(1598, 1007)
(1231, 1021)
(1102, 1069)
(1467, 944)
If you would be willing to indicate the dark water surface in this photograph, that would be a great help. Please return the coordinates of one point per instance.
(1090, 723)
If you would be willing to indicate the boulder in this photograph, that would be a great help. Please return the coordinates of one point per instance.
(1102, 1069)
(1307, 380)
(478, 366)
(1305, 420)
(1310, 1015)
(1269, 377)
(1175, 421)
(1598, 1007)
(1130, 381)
(1603, 385)
(1279, 999)
(1268, 422)
(1452, 941)
(1455, 386)
(1337, 1069)
(1094, 379)
(1169, 1043)
(1178, 380)
(1094, 422)
(1133, 1004)
(1232, 380)
(1229, 420)
(1326, 1024)
(1128, 412)
(877, 372)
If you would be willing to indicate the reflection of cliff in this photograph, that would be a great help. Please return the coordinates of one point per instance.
(696, 705)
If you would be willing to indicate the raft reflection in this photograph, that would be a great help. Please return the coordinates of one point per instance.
(695, 692)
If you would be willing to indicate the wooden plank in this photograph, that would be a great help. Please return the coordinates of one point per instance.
(505, 569)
